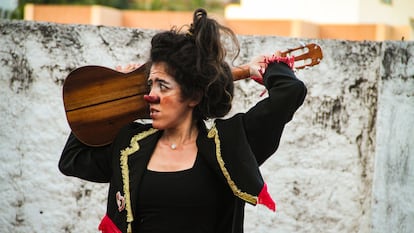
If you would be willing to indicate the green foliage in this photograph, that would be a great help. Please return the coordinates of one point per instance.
(178, 5)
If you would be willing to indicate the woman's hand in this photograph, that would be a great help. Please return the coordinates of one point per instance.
(128, 68)
(258, 66)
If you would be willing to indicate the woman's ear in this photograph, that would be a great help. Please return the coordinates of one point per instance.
(195, 101)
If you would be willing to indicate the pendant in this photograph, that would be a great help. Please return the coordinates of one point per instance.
(173, 146)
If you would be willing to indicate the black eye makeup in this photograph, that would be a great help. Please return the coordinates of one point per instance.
(162, 84)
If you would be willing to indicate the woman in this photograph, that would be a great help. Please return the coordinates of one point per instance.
(177, 175)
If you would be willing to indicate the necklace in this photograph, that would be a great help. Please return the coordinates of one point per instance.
(174, 146)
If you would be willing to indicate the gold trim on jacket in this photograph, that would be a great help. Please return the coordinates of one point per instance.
(133, 147)
(213, 133)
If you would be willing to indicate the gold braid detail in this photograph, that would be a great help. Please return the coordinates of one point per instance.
(133, 147)
(243, 195)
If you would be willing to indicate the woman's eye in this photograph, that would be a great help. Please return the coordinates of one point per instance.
(159, 84)
(163, 87)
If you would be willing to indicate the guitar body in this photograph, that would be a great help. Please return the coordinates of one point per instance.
(99, 101)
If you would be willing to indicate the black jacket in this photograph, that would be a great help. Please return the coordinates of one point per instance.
(234, 148)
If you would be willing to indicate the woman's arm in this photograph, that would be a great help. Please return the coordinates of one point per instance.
(265, 121)
(85, 162)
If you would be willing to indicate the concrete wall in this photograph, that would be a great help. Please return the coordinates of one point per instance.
(345, 163)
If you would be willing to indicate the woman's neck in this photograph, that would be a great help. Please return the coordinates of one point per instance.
(180, 136)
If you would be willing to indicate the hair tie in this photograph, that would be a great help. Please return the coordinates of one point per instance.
(199, 13)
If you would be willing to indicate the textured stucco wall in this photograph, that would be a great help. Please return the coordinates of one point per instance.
(393, 196)
(345, 163)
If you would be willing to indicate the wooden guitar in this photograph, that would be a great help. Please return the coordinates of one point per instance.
(99, 101)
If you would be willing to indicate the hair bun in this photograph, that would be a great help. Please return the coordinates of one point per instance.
(199, 13)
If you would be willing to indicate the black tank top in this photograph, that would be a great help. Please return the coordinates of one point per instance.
(178, 202)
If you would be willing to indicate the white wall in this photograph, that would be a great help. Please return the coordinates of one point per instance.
(318, 11)
(345, 163)
(393, 197)
(8, 4)
(398, 13)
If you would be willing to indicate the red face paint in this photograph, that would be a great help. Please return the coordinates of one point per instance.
(169, 99)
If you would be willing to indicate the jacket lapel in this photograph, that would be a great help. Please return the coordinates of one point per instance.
(133, 162)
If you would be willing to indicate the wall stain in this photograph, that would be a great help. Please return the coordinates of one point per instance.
(135, 38)
(82, 192)
(21, 77)
(331, 114)
(356, 100)
(349, 56)
(397, 58)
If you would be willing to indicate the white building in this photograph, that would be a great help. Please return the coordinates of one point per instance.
(387, 12)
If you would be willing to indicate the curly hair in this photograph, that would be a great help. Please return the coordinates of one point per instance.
(196, 59)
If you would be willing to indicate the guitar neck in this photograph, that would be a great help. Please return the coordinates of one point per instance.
(305, 56)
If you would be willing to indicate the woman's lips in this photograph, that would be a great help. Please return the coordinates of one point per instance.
(153, 112)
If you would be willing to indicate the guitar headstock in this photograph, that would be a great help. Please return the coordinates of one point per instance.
(305, 56)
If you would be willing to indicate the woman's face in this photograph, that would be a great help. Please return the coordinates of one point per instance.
(167, 108)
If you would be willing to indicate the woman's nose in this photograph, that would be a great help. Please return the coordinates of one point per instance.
(152, 99)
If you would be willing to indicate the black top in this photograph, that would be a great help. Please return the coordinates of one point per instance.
(178, 202)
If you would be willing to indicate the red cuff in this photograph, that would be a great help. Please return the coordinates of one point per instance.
(290, 61)
(264, 198)
(107, 226)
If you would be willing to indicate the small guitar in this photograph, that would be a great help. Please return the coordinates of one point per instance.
(98, 101)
